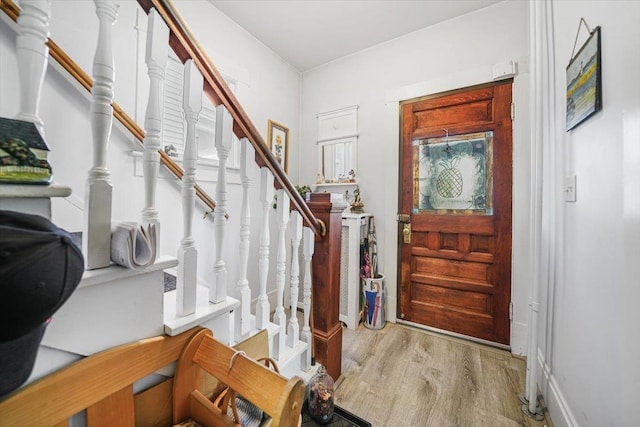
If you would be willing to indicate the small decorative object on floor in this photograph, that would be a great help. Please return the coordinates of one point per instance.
(321, 396)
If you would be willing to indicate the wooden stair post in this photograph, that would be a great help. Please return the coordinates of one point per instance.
(33, 53)
(96, 238)
(247, 170)
(187, 280)
(156, 60)
(327, 330)
(266, 199)
(308, 243)
(224, 139)
(280, 317)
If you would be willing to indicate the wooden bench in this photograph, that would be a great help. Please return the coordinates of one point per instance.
(103, 384)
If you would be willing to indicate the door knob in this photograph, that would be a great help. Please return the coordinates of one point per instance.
(406, 232)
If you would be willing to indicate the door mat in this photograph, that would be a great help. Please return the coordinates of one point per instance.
(341, 418)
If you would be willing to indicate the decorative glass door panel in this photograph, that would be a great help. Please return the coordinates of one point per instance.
(453, 174)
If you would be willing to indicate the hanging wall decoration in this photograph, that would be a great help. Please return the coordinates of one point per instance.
(278, 142)
(584, 80)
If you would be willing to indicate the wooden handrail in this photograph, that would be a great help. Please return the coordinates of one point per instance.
(65, 61)
(186, 47)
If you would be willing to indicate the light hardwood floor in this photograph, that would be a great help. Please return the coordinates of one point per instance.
(403, 376)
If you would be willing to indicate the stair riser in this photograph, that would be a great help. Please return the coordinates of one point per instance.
(291, 367)
(99, 317)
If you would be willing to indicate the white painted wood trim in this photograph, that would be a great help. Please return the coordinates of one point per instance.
(156, 60)
(308, 245)
(224, 138)
(96, 238)
(247, 171)
(205, 311)
(186, 281)
(266, 199)
(33, 54)
(279, 317)
(295, 231)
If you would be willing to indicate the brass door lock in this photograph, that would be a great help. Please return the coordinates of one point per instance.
(405, 219)
(406, 232)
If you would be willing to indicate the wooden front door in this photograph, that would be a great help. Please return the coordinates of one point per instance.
(455, 211)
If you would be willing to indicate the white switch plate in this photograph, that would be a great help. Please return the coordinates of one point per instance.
(570, 188)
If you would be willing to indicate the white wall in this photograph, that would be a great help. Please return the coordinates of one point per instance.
(267, 87)
(589, 333)
(454, 54)
(589, 336)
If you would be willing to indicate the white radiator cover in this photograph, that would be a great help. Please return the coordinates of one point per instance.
(354, 230)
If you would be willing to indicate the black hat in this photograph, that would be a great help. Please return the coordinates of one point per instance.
(40, 267)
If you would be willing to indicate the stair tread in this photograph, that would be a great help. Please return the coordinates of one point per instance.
(169, 278)
(26, 191)
(115, 272)
(296, 350)
(205, 310)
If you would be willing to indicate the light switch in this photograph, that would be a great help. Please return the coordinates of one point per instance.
(570, 188)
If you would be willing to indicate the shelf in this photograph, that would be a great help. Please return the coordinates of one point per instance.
(337, 184)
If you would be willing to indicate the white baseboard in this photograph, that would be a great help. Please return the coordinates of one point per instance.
(557, 405)
(390, 309)
(519, 332)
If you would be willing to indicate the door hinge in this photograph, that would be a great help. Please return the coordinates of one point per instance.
(403, 217)
(511, 311)
(513, 111)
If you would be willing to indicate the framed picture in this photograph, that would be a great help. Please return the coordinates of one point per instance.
(278, 142)
(584, 82)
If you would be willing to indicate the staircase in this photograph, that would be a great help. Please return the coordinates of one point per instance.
(232, 275)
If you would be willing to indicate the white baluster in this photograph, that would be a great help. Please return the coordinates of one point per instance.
(308, 244)
(33, 53)
(186, 285)
(279, 317)
(224, 138)
(98, 195)
(266, 198)
(247, 170)
(295, 227)
(156, 60)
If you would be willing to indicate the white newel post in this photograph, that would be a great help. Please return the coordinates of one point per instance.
(247, 170)
(266, 199)
(279, 317)
(308, 245)
(96, 237)
(156, 60)
(187, 281)
(295, 228)
(33, 54)
(224, 138)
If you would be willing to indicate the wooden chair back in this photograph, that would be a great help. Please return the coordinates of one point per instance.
(103, 385)
(279, 397)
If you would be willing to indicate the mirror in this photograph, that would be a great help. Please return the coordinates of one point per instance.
(337, 160)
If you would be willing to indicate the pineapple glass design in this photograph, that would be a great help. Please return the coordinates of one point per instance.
(454, 174)
(449, 182)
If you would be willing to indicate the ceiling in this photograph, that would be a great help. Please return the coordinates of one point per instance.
(309, 33)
